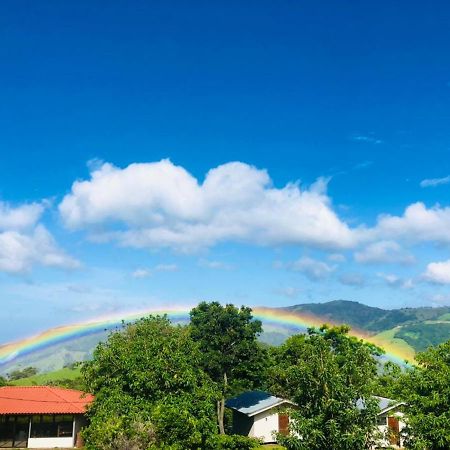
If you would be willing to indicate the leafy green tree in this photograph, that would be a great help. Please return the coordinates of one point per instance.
(149, 388)
(231, 355)
(388, 380)
(329, 374)
(69, 383)
(24, 373)
(3, 381)
(426, 390)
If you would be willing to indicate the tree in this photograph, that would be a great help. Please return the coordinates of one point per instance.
(329, 375)
(227, 337)
(426, 390)
(149, 389)
(24, 373)
(387, 382)
(3, 381)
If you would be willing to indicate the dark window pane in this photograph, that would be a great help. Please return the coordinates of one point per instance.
(43, 426)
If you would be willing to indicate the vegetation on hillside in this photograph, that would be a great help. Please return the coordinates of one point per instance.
(423, 335)
(417, 327)
(22, 373)
(69, 377)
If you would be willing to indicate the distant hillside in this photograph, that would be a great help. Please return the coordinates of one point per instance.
(57, 356)
(46, 378)
(369, 318)
(417, 327)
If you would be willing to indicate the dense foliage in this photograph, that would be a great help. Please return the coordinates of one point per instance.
(329, 374)
(24, 373)
(231, 355)
(149, 388)
(426, 390)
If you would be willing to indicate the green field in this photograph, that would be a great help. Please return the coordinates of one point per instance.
(44, 378)
(403, 347)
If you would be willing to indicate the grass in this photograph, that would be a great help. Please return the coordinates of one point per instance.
(389, 338)
(43, 378)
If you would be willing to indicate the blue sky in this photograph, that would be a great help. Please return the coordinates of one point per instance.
(267, 153)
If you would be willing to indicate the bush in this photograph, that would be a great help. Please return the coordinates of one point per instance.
(232, 442)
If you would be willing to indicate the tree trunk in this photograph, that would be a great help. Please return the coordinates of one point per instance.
(220, 414)
(221, 405)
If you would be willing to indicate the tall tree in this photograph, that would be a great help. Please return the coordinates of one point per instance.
(227, 337)
(426, 390)
(149, 389)
(329, 375)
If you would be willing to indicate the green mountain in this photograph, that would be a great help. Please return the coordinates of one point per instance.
(417, 327)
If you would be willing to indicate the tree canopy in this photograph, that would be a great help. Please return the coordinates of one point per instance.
(149, 388)
(231, 356)
(426, 390)
(329, 374)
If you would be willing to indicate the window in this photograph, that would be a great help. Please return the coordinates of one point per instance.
(14, 431)
(6, 430)
(52, 426)
(381, 420)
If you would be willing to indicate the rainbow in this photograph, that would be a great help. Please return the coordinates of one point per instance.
(272, 318)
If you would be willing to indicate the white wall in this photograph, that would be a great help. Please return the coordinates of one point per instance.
(265, 425)
(62, 442)
(384, 442)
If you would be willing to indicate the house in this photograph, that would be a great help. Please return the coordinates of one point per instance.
(41, 416)
(259, 414)
(390, 422)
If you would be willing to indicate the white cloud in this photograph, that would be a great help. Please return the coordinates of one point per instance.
(433, 182)
(438, 272)
(159, 204)
(20, 217)
(384, 252)
(19, 252)
(417, 224)
(145, 272)
(396, 281)
(312, 268)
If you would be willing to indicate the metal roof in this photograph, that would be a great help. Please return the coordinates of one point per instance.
(254, 402)
(384, 404)
(42, 400)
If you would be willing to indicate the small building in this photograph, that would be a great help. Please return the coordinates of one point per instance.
(41, 416)
(390, 422)
(259, 414)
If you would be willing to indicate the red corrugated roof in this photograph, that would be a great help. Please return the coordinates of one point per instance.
(42, 400)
